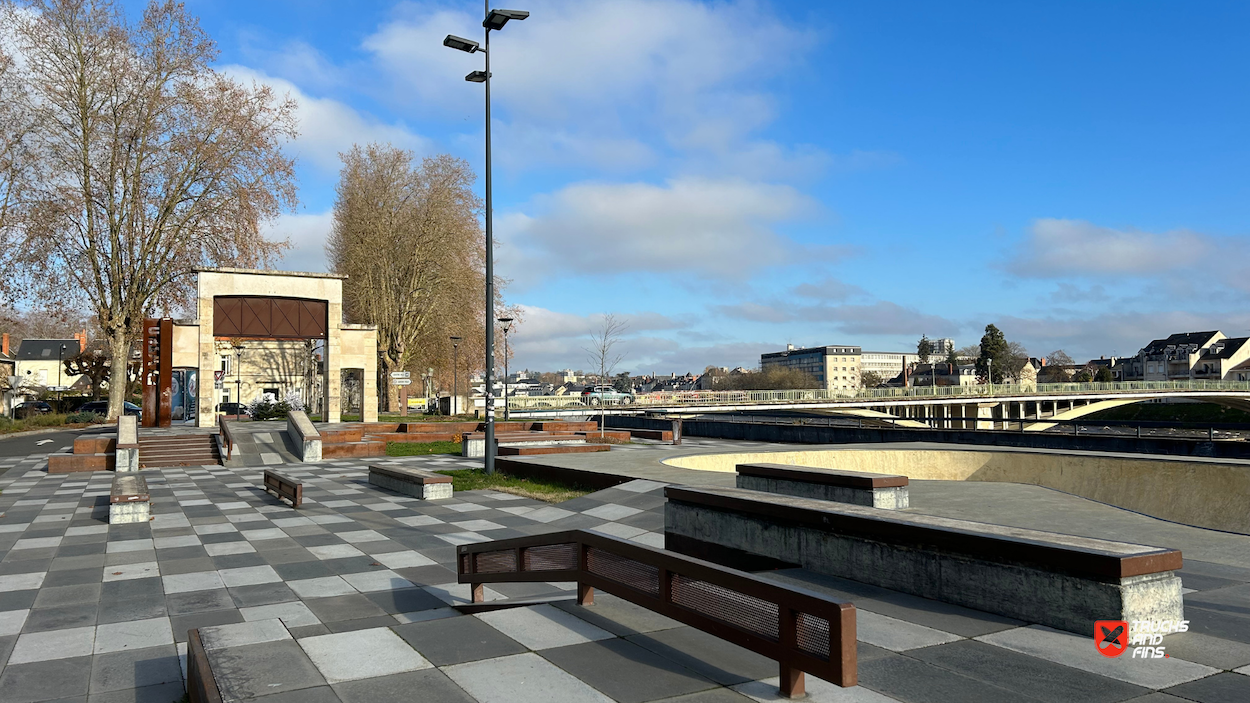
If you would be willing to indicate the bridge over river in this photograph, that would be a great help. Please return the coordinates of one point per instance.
(952, 407)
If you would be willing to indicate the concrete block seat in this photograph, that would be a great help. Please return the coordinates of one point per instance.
(474, 445)
(1052, 579)
(129, 500)
(539, 449)
(417, 483)
(856, 487)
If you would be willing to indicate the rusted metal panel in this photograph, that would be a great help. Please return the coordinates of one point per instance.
(262, 317)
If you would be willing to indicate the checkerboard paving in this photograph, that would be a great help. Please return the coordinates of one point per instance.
(348, 599)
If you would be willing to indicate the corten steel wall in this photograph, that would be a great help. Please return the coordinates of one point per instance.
(814, 434)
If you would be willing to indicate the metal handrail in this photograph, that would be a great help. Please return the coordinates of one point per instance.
(679, 398)
(801, 630)
(226, 436)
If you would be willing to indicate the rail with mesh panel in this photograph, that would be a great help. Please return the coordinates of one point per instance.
(802, 630)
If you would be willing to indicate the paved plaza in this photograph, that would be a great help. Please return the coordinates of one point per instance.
(348, 599)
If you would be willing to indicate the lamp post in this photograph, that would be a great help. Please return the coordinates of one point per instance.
(455, 377)
(495, 19)
(506, 323)
(238, 382)
(60, 362)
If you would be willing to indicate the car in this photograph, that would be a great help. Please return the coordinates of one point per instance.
(31, 408)
(101, 407)
(232, 409)
(605, 395)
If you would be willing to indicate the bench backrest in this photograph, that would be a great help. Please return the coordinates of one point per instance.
(129, 488)
(798, 628)
(828, 477)
(1049, 551)
(285, 486)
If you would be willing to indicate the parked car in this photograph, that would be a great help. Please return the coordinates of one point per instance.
(31, 408)
(101, 407)
(605, 395)
(232, 408)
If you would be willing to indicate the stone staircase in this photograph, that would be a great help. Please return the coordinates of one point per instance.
(178, 450)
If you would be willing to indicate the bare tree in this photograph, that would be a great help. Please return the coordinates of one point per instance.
(145, 163)
(407, 236)
(602, 353)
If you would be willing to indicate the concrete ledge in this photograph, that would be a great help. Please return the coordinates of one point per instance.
(417, 483)
(74, 463)
(856, 487)
(305, 436)
(474, 445)
(1057, 580)
(129, 500)
(127, 443)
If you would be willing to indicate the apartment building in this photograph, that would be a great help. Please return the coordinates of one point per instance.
(835, 367)
(887, 365)
(1209, 356)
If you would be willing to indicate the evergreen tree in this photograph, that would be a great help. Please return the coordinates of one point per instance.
(924, 349)
(994, 348)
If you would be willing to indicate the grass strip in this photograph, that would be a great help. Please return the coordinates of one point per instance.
(546, 491)
(421, 448)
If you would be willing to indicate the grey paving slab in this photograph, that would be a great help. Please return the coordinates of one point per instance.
(45, 681)
(456, 640)
(1221, 688)
(1028, 677)
(912, 681)
(250, 671)
(711, 657)
(626, 672)
(135, 668)
(425, 686)
(1204, 649)
(543, 627)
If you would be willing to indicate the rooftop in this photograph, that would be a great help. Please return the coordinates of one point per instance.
(46, 349)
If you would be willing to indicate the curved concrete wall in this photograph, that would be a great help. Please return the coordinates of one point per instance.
(1212, 493)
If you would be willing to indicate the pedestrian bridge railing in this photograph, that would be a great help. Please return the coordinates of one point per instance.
(1013, 390)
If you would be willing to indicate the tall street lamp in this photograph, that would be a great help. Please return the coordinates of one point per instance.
(455, 377)
(506, 323)
(495, 19)
(238, 381)
(60, 363)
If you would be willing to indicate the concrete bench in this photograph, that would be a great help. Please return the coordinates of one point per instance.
(474, 446)
(855, 487)
(1047, 578)
(129, 500)
(284, 486)
(305, 436)
(417, 483)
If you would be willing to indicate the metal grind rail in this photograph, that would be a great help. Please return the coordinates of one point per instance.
(801, 630)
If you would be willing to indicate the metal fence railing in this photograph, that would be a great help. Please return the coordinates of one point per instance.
(680, 398)
(801, 630)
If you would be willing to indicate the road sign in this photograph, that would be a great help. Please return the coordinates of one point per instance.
(401, 381)
(401, 374)
(218, 375)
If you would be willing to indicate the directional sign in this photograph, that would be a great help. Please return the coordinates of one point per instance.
(401, 381)
(401, 374)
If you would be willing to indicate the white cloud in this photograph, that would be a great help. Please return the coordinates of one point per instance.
(699, 227)
(1076, 247)
(328, 127)
(692, 74)
(307, 234)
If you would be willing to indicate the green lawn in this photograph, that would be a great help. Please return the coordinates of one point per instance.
(548, 491)
(421, 448)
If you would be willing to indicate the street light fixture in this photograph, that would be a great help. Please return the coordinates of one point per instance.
(238, 381)
(495, 19)
(507, 326)
(455, 375)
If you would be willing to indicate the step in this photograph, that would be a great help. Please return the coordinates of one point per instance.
(340, 436)
(73, 463)
(98, 444)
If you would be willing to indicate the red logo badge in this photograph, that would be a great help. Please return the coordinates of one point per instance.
(1111, 637)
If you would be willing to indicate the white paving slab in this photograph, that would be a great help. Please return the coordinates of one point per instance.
(249, 576)
(224, 548)
(127, 572)
(11, 621)
(335, 551)
(322, 587)
(194, 581)
(521, 678)
(897, 635)
(54, 644)
(382, 580)
(1079, 653)
(543, 627)
(22, 582)
(457, 593)
(361, 654)
(133, 634)
(611, 511)
(403, 560)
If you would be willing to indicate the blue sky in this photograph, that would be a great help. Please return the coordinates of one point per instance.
(732, 176)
